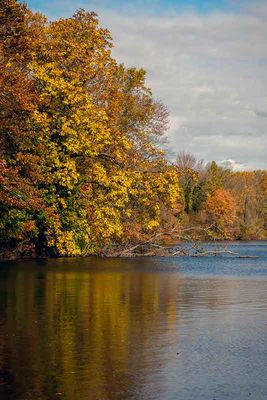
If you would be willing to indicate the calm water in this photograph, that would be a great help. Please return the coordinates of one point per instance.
(140, 329)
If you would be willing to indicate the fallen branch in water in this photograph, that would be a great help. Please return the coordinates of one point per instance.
(218, 252)
(175, 233)
(248, 257)
(191, 247)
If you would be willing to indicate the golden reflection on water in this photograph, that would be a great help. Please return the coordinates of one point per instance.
(74, 333)
(93, 335)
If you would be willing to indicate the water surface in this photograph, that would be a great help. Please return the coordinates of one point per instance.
(140, 329)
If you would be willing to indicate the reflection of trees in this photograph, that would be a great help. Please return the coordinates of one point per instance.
(89, 335)
(83, 335)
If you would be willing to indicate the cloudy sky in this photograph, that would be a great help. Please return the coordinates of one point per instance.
(205, 59)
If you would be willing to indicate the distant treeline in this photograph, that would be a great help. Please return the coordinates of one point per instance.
(234, 204)
(82, 172)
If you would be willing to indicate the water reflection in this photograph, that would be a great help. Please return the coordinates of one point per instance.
(114, 333)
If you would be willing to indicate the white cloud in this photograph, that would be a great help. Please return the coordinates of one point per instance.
(210, 70)
(233, 165)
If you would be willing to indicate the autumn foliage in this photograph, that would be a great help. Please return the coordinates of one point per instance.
(81, 169)
(231, 205)
(220, 211)
(79, 160)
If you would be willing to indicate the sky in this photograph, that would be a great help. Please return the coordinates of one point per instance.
(205, 59)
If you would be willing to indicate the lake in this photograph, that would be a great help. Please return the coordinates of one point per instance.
(141, 329)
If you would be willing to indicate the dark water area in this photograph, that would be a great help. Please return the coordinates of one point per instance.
(141, 329)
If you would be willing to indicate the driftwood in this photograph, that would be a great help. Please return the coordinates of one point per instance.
(220, 252)
(215, 253)
(174, 233)
(248, 257)
(188, 245)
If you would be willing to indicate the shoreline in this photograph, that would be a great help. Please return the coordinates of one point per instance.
(110, 255)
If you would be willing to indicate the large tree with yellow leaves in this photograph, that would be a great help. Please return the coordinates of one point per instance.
(83, 138)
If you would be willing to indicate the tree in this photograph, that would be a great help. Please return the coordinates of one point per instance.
(192, 181)
(20, 200)
(220, 213)
(87, 138)
(249, 194)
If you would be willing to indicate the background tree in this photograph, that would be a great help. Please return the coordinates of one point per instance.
(220, 213)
